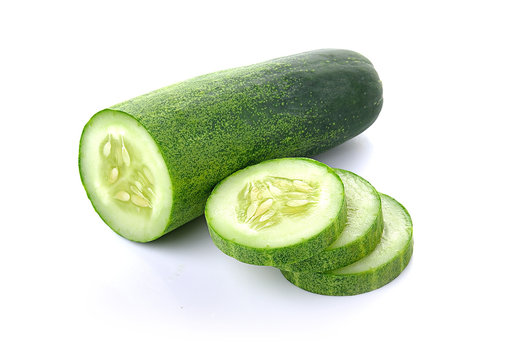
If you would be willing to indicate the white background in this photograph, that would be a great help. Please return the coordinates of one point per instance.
(446, 145)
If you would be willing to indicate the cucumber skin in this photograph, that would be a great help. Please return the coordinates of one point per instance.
(211, 126)
(330, 259)
(282, 256)
(326, 283)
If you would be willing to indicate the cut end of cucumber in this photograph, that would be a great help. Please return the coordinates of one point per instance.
(125, 176)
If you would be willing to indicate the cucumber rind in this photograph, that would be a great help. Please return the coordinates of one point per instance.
(329, 283)
(335, 257)
(283, 255)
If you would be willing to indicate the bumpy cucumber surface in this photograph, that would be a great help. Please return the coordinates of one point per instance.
(277, 212)
(361, 234)
(381, 266)
(193, 134)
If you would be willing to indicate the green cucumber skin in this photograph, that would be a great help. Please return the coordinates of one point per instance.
(330, 259)
(326, 283)
(282, 256)
(213, 125)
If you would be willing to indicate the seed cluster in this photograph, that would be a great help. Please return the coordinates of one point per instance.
(263, 203)
(134, 184)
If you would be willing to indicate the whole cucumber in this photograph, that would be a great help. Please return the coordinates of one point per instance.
(148, 164)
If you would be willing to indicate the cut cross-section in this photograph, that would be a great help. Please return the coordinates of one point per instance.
(125, 176)
(277, 212)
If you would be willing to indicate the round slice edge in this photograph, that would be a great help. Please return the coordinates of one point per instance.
(125, 176)
(385, 263)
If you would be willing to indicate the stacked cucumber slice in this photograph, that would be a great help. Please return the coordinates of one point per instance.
(328, 230)
(266, 215)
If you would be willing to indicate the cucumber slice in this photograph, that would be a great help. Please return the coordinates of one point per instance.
(384, 264)
(361, 234)
(277, 212)
(125, 176)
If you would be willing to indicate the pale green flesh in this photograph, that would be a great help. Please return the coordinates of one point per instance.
(125, 176)
(274, 204)
(363, 206)
(395, 237)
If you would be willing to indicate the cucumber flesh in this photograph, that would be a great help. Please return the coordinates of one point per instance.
(385, 263)
(125, 176)
(362, 233)
(277, 212)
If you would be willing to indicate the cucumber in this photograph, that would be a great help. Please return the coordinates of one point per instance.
(361, 234)
(148, 164)
(277, 212)
(381, 266)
